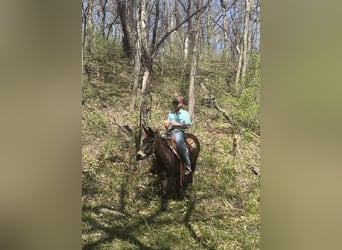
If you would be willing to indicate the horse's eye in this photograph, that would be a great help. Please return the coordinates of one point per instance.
(146, 142)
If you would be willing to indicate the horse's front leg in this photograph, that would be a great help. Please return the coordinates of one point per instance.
(164, 188)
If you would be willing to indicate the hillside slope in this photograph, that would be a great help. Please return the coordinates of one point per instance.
(121, 204)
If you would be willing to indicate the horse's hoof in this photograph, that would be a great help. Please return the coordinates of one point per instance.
(153, 171)
(181, 196)
(163, 206)
(191, 180)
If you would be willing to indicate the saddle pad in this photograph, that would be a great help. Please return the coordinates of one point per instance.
(190, 142)
(191, 145)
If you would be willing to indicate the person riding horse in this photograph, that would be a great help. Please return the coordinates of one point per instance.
(177, 121)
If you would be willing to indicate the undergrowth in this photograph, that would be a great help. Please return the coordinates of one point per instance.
(121, 202)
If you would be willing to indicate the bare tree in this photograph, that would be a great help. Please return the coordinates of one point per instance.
(225, 40)
(146, 28)
(146, 60)
(84, 24)
(88, 27)
(149, 52)
(125, 14)
(137, 68)
(246, 35)
(209, 30)
(101, 10)
(194, 61)
(250, 26)
(243, 51)
(188, 33)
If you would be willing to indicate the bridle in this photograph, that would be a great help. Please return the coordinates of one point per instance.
(147, 149)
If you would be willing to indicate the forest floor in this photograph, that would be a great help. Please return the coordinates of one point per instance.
(121, 201)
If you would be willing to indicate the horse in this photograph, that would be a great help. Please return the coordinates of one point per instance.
(168, 162)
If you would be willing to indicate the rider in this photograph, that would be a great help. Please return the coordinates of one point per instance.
(176, 123)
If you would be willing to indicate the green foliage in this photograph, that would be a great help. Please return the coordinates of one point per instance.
(253, 72)
(249, 102)
(246, 108)
(106, 49)
(89, 94)
(95, 122)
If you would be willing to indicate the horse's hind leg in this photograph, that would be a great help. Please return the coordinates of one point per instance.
(191, 179)
(164, 185)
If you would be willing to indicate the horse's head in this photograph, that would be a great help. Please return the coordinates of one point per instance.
(146, 148)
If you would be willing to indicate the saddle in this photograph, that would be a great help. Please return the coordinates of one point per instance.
(189, 144)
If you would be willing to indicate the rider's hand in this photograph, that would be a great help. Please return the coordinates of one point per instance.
(173, 123)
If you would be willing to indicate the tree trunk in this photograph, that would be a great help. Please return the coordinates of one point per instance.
(126, 24)
(250, 20)
(89, 34)
(137, 68)
(209, 30)
(188, 34)
(235, 87)
(194, 62)
(147, 63)
(243, 53)
(84, 27)
(225, 34)
(103, 17)
(245, 41)
(155, 28)
(171, 25)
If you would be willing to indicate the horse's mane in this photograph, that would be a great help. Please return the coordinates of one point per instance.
(163, 142)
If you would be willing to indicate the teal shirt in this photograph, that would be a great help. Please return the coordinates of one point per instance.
(182, 117)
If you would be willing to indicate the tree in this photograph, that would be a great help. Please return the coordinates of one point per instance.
(194, 60)
(88, 27)
(137, 68)
(149, 52)
(246, 38)
(243, 53)
(102, 15)
(188, 33)
(147, 62)
(146, 28)
(126, 19)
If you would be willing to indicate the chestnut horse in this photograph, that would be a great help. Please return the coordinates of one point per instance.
(167, 160)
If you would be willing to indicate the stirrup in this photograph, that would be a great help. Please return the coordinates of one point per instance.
(187, 170)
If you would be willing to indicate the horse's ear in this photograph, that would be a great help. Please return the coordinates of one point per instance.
(145, 129)
(150, 131)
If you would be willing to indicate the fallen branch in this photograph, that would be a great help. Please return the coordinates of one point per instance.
(125, 128)
(236, 149)
(225, 114)
(212, 100)
(255, 135)
(255, 170)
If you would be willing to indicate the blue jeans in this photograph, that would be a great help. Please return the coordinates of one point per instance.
(179, 137)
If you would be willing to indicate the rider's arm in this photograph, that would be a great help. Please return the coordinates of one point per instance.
(178, 125)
